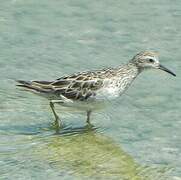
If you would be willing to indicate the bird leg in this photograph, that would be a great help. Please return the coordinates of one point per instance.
(88, 116)
(58, 123)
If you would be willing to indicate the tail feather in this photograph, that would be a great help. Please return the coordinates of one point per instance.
(22, 82)
(35, 87)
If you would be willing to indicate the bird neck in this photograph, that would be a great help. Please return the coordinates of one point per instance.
(126, 75)
(128, 70)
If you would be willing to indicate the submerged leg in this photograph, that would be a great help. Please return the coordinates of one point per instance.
(57, 119)
(88, 116)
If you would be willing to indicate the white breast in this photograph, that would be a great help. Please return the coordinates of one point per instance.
(114, 87)
(110, 90)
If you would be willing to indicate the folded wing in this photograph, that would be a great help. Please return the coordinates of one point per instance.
(75, 87)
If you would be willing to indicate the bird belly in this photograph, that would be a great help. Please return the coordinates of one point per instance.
(108, 93)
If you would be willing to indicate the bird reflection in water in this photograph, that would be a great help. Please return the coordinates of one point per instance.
(85, 153)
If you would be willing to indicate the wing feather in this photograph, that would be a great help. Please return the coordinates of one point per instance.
(78, 86)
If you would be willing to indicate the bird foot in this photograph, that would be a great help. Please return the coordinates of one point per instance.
(57, 125)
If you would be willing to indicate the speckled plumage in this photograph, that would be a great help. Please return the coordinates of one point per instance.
(86, 85)
(99, 84)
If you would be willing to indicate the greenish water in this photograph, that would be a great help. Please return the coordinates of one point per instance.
(136, 137)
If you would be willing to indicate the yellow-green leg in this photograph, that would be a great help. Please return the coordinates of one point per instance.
(88, 116)
(57, 122)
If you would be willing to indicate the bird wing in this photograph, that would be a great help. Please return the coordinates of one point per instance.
(81, 86)
(78, 86)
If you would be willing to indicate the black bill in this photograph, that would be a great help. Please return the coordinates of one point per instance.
(166, 70)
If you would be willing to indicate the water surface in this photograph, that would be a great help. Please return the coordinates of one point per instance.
(136, 137)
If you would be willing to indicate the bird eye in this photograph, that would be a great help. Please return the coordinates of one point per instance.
(151, 60)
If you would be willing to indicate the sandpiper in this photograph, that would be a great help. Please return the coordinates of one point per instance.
(92, 86)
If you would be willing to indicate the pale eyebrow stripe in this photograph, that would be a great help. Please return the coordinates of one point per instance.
(149, 57)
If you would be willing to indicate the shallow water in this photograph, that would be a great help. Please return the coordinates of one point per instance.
(136, 137)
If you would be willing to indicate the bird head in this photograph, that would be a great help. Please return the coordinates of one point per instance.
(149, 60)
